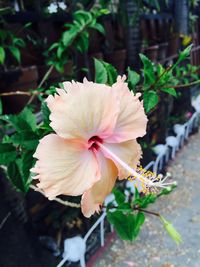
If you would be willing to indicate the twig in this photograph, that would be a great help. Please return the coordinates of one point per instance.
(147, 211)
(185, 85)
(4, 220)
(63, 202)
(46, 76)
(41, 83)
(16, 93)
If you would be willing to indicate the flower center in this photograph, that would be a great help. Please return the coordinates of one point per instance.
(93, 142)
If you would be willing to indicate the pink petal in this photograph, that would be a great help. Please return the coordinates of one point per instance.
(64, 167)
(132, 121)
(90, 109)
(130, 152)
(94, 197)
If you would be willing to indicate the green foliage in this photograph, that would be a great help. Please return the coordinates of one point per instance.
(148, 70)
(104, 72)
(133, 79)
(10, 44)
(150, 100)
(127, 225)
(75, 37)
(7, 153)
(128, 216)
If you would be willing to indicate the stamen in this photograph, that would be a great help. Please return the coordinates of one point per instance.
(149, 181)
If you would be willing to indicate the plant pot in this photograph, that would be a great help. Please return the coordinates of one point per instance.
(151, 52)
(22, 79)
(117, 59)
(162, 51)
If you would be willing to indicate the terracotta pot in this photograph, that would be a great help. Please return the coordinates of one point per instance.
(162, 51)
(117, 59)
(151, 52)
(22, 79)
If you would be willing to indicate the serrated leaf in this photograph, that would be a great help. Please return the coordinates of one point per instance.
(25, 139)
(100, 72)
(123, 224)
(150, 100)
(119, 196)
(170, 91)
(111, 73)
(148, 70)
(133, 79)
(7, 153)
(146, 200)
(25, 120)
(45, 113)
(2, 55)
(27, 163)
(15, 177)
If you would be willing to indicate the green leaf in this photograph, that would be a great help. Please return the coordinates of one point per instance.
(185, 53)
(25, 139)
(82, 42)
(2, 55)
(149, 76)
(139, 220)
(150, 100)
(133, 79)
(15, 52)
(170, 91)
(144, 201)
(123, 224)
(15, 176)
(60, 50)
(53, 46)
(18, 41)
(119, 196)
(99, 28)
(111, 73)
(45, 113)
(100, 72)
(7, 153)
(27, 163)
(25, 120)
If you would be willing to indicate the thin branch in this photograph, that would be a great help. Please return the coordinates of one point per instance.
(16, 93)
(46, 76)
(147, 211)
(185, 85)
(63, 202)
(4, 220)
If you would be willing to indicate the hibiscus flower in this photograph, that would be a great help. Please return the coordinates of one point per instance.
(96, 127)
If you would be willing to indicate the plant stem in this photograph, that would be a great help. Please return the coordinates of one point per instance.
(46, 76)
(185, 85)
(63, 202)
(147, 211)
(41, 83)
(16, 93)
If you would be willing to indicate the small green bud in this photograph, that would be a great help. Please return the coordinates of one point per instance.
(171, 230)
